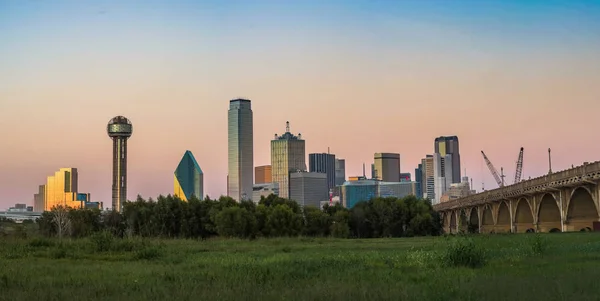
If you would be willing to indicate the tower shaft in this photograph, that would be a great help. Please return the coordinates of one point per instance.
(119, 177)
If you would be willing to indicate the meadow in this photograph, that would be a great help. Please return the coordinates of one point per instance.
(479, 267)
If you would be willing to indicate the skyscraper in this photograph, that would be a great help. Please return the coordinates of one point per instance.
(387, 167)
(288, 154)
(61, 189)
(323, 163)
(240, 150)
(427, 179)
(340, 172)
(442, 169)
(449, 145)
(39, 199)
(189, 179)
(119, 130)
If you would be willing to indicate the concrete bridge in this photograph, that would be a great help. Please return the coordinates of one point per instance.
(562, 201)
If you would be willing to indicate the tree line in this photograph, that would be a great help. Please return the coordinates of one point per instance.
(170, 217)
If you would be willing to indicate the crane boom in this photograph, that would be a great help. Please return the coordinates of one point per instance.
(519, 167)
(492, 170)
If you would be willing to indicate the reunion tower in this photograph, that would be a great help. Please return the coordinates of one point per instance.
(119, 130)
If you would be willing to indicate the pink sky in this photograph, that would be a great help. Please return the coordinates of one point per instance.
(357, 95)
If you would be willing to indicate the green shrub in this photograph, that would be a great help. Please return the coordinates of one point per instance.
(148, 253)
(464, 252)
(102, 241)
(538, 245)
(41, 243)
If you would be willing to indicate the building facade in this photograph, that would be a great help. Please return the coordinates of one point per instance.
(442, 169)
(240, 151)
(340, 172)
(308, 188)
(396, 189)
(353, 192)
(427, 179)
(262, 174)
(419, 180)
(387, 167)
(188, 178)
(264, 190)
(405, 177)
(448, 145)
(323, 163)
(61, 189)
(288, 154)
(39, 199)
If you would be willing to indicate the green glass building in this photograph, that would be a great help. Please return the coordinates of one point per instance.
(189, 179)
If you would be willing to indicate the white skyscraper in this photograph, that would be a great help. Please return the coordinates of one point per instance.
(240, 150)
(442, 175)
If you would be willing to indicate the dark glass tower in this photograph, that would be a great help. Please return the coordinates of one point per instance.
(119, 130)
(323, 163)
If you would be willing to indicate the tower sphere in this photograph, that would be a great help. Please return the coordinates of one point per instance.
(119, 127)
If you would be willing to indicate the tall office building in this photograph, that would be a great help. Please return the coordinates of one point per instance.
(188, 178)
(387, 167)
(288, 154)
(240, 150)
(119, 130)
(323, 163)
(262, 174)
(61, 189)
(340, 172)
(427, 179)
(448, 145)
(442, 169)
(39, 199)
(419, 181)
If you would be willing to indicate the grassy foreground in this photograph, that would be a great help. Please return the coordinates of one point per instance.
(511, 267)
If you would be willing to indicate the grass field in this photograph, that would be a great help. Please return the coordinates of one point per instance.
(512, 267)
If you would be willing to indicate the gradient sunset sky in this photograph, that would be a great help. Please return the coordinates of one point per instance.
(357, 76)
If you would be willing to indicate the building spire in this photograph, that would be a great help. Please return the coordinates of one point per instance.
(287, 126)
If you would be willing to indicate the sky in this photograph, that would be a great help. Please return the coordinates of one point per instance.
(358, 77)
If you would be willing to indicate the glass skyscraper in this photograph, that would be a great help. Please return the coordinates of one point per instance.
(288, 154)
(323, 163)
(240, 176)
(189, 179)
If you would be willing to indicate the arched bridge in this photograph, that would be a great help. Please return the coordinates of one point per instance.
(562, 201)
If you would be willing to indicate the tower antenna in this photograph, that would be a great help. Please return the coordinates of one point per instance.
(287, 126)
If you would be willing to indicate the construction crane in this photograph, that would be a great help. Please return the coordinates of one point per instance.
(519, 169)
(500, 177)
(493, 170)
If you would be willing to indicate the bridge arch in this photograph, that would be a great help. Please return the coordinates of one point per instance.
(549, 217)
(487, 219)
(503, 217)
(581, 210)
(523, 216)
(473, 226)
(453, 222)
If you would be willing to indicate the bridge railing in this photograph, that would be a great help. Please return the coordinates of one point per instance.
(579, 174)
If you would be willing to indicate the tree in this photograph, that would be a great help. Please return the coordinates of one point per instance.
(60, 218)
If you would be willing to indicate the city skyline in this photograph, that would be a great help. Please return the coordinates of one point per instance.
(496, 86)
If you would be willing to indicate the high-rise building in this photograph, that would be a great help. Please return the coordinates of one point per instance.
(442, 169)
(119, 130)
(324, 163)
(188, 178)
(240, 150)
(448, 145)
(340, 171)
(308, 188)
(427, 179)
(39, 199)
(262, 174)
(61, 189)
(264, 190)
(387, 167)
(419, 181)
(288, 154)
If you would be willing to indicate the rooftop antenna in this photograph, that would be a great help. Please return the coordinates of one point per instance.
(549, 162)
(287, 126)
